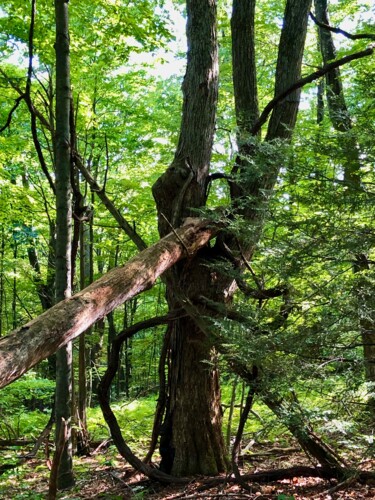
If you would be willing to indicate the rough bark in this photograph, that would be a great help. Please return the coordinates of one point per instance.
(191, 440)
(252, 185)
(41, 337)
(244, 67)
(288, 68)
(244, 76)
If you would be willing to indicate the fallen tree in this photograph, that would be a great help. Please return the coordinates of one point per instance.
(39, 338)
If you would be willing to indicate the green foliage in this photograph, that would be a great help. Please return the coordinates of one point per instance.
(17, 396)
(25, 407)
(312, 225)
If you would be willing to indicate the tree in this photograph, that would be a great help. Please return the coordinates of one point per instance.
(63, 273)
(351, 160)
(191, 435)
(191, 440)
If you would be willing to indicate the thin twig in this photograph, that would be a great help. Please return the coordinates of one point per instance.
(174, 232)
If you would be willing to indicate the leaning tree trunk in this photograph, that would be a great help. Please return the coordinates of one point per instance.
(191, 440)
(63, 396)
(66, 320)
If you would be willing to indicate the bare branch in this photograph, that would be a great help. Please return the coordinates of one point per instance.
(359, 36)
(123, 223)
(304, 81)
(9, 119)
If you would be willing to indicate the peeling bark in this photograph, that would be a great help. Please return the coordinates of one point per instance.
(41, 337)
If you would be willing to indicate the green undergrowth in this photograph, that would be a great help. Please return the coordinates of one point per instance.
(335, 413)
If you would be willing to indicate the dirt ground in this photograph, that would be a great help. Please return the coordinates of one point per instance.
(98, 479)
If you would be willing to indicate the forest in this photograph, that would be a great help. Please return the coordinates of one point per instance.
(187, 196)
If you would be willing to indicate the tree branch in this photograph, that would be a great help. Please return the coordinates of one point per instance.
(123, 223)
(41, 337)
(303, 81)
(359, 36)
(103, 393)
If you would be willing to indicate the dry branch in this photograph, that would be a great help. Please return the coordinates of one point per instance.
(100, 192)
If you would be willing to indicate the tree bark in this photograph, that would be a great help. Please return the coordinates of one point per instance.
(244, 67)
(83, 446)
(337, 108)
(288, 69)
(191, 440)
(41, 337)
(63, 398)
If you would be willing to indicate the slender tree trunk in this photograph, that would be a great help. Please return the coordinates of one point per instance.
(244, 67)
(83, 447)
(63, 235)
(337, 108)
(348, 144)
(366, 308)
(14, 288)
(2, 289)
(191, 440)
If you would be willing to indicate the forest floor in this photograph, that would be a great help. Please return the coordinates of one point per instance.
(105, 477)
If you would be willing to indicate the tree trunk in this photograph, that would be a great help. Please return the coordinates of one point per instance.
(63, 236)
(366, 308)
(191, 440)
(337, 108)
(41, 337)
(342, 123)
(255, 182)
(244, 67)
(2, 290)
(83, 447)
